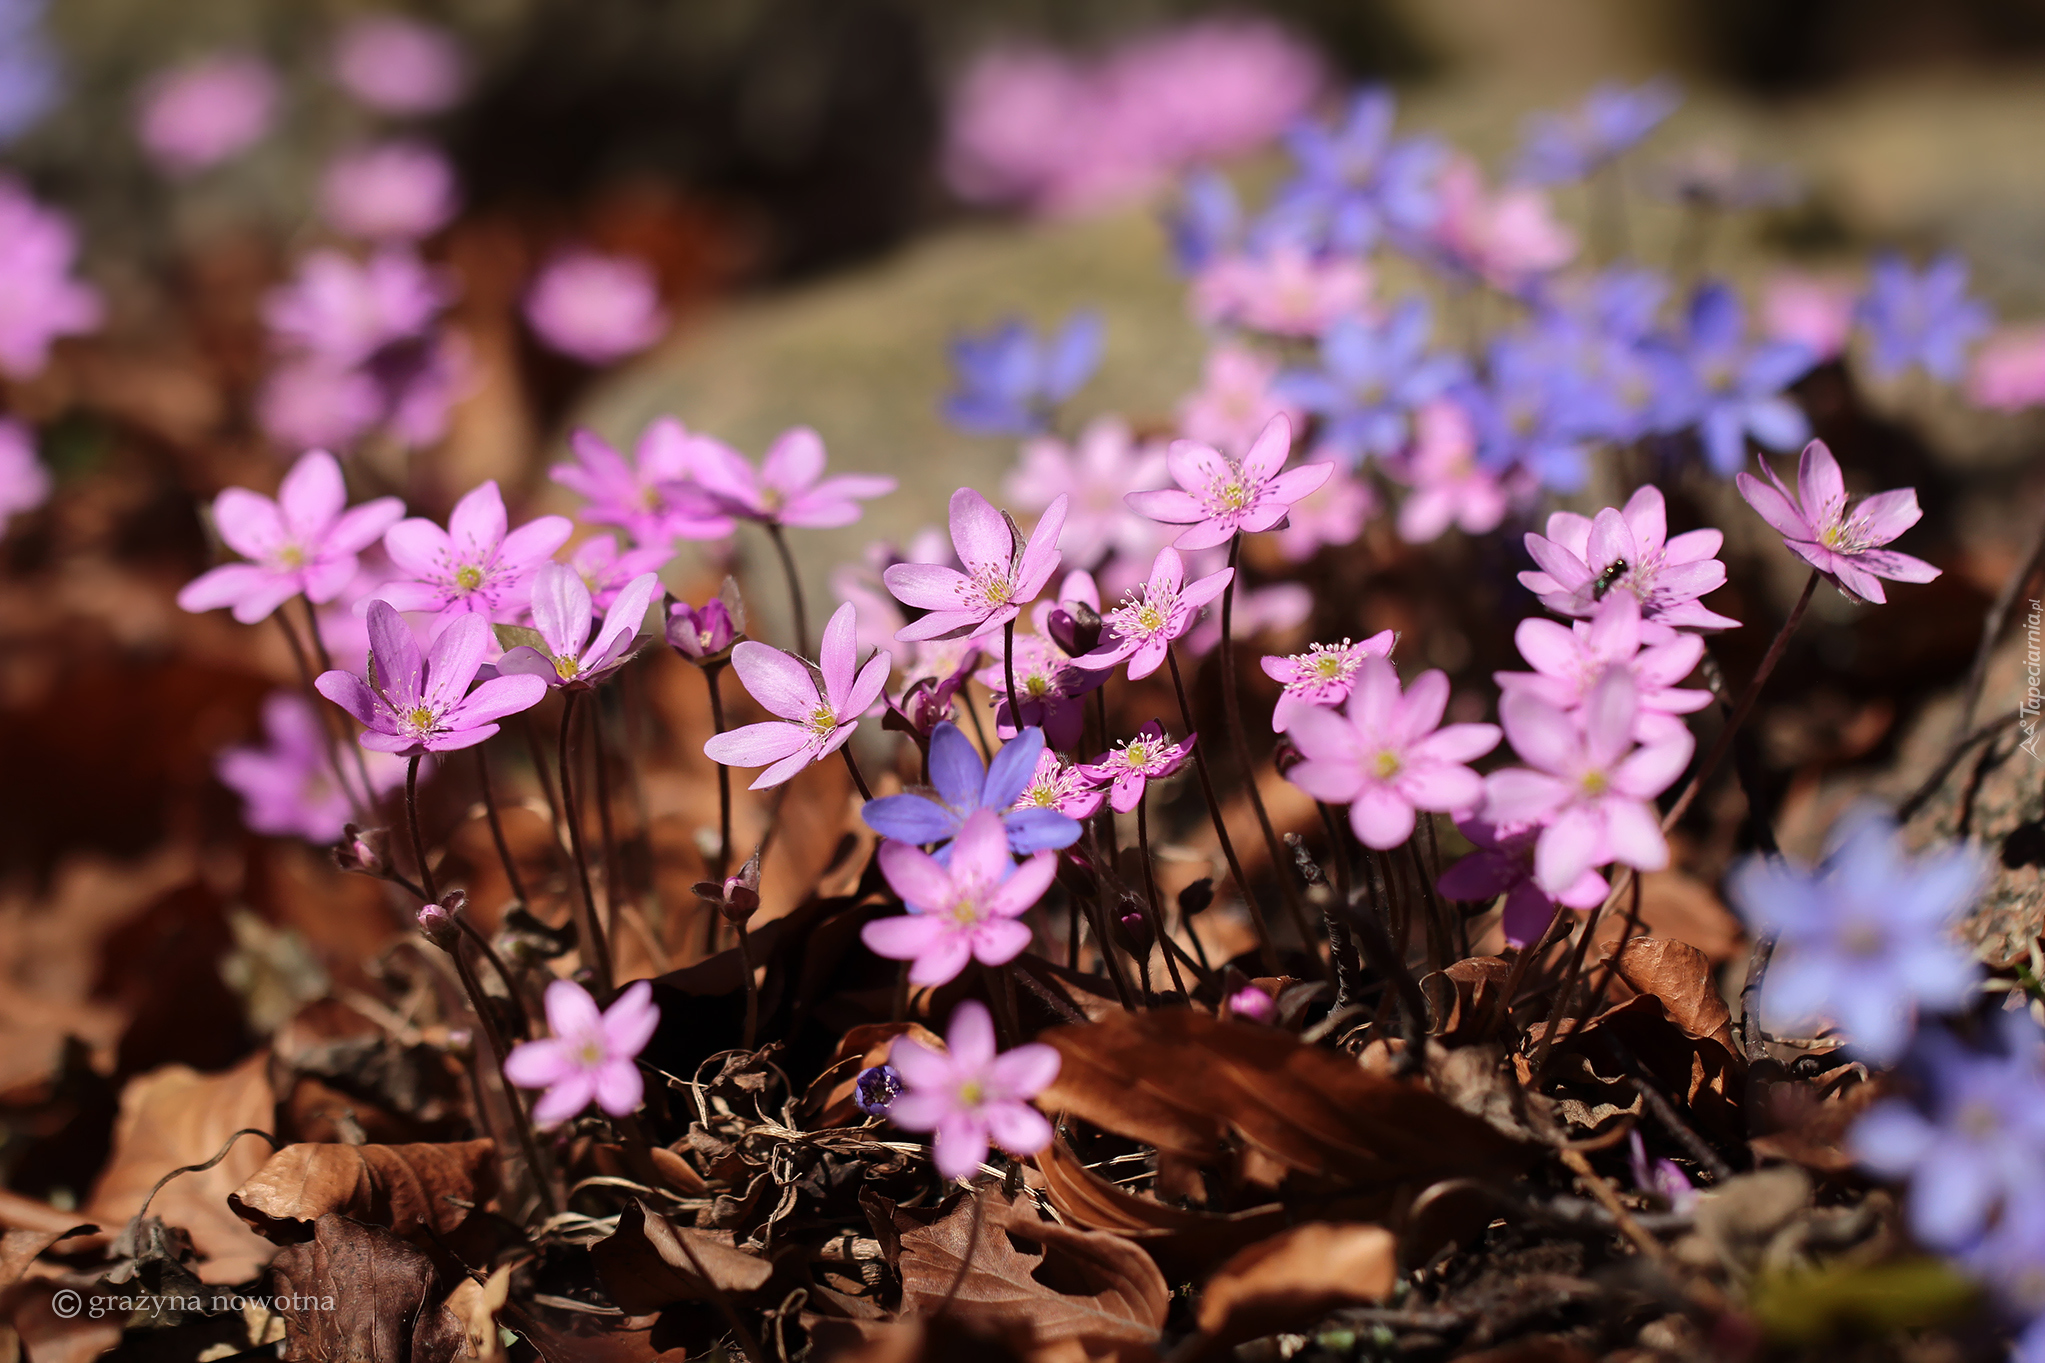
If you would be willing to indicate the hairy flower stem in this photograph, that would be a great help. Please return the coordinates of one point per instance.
(1752, 1039)
(745, 965)
(600, 760)
(1103, 941)
(538, 756)
(1341, 947)
(1440, 952)
(1742, 708)
(780, 538)
(494, 1038)
(1267, 953)
(1008, 671)
(852, 765)
(1501, 1006)
(497, 826)
(1239, 747)
(720, 864)
(326, 662)
(412, 821)
(596, 954)
(1565, 994)
(356, 800)
(1389, 959)
(1150, 899)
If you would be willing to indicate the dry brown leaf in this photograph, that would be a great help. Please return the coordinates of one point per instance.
(47, 1337)
(1680, 976)
(176, 1116)
(395, 1186)
(476, 1306)
(359, 1294)
(19, 1248)
(650, 1262)
(1295, 1276)
(1184, 1243)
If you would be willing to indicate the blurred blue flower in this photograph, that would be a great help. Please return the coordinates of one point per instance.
(1865, 938)
(1714, 380)
(1613, 119)
(1603, 333)
(1208, 221)
(30, 74)
(1372, 376)
(1535, 410)
(1925, 319)
(1354, 184)
(963, 786)
(1008, 381)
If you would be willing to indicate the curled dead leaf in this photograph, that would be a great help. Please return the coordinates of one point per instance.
(651, 1262)
(359, 1293)
(1680, 976)
(1183, 1242)
(1295, 1276)
(394, 1186)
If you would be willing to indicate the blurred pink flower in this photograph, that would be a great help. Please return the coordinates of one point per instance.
(1132, 765)
(812, 724)
(1667, 576)
(1218, 497)
(475, 566)
(286, 784)
(596, 308)
(1140, 630)
(1094, 475)
(1330, 516)
(1236, 400)
(345, 311)
(1449, 487)
(1819, 531)
(196, 116)
(1812, 310)
(969, 1095)
(2008, 371)
(1274, 608)
(1570, 660)
(1506, 238)
(605, 571)
(964, 908)
(789, 487)
(1503, 864)
(1003, 573)
(24, 482)
(392, 191)
(651, 495)
(1322, 677)
(591, 1056)
(1283, 291)
(39, 301)
(398, 65)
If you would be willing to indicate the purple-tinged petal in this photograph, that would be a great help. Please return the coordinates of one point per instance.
(1896, 567)
(561, 609)
(477, 524)
(1008, 775)
(756, 745)
(1381, 817)
(249, 523)
(1000, 941)
(1518, 795)
(1022, 1073)
(970, 1037)
(1025, 886)
(1633, 836)
(351, 693)
(571, 1012)
(453, 659)
(312, 495)
(909, 819)
(838, 657)
(793, 462)
(619, 1088)
(1567, 848)
(867, 686)
(395, 655)
(779, 682)
(981, 535)
(1167, 505)
(1773, 507)
(1886, 515)
(916, 876)
(569, 1095)
(533, 543)
(496, 698)
(537, 1064)
(1818, 481)
(420, 549)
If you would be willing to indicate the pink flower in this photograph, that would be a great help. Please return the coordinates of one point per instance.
(1387, 755)
(2008, 372)
(39, 301)
(1585, 558)
(1332, 515)
(605, 571)
(1059, 784)
(1129, 768)
(407, 389)
(1586, 782)
(1003, 572)
(1507, 238)
(1140, 631)
(968, 1095)
(1251, 1004)
(562, 613)
(201, 114)
(1236, 400)
(650, 495)
(1810, 310)
(473, 565)
(24, 482)
(1093, 476)
(813, 724)
(1217, 497)
(596, 308)
(1503, 864)
(393, 191)
(414, 706)
(287, 786)
(346, 312)
(962, 911)
(1322, 677)
(704, 633)
(1819, 531)
(397, 65)
(1570, 661)
(1049, 688)
(1284, 291)
(307, 541)
(1449, 486)
(788, 488)
(591, 1056)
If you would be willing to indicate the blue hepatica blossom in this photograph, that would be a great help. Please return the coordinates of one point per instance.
(1208, 221)
(1864, 939)
(1728, 388)
(1601, 335)
(962, 786)
(1536, 410)
(1355, 183)
(1921, 319)
(30, 76)
(1009, 381)
(1612, 120)
(1372, 376)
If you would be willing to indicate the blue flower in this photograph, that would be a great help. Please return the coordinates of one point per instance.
(963, 786)
(1614, 119)
(1372, 376)
(1865, 938)
(1009, 381)
(1534, 410)
(1354, 183)
(1600, 336)
(1209, 220)
(30, 75)
(1727, 389)
(1925, 319)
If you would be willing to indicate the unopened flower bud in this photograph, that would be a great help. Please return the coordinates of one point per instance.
(876, 1089)
(437, 921)
(1196, 897)
(364, 850)
(738, 896)
(1136, 929)
(1075, 626)
(1286, 754)
(702, 634)
(1251, 1004)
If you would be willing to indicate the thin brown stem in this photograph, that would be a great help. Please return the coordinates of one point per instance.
(1150, 903)
(1266, 950)
(494, 1038)
(1565, 994)
(721, 865)
(802, 644)
(497, 826)
(1103, 940)
(596, 954)
(412, 821)
(1341, 946)
(852, 765)
(1008, 672)
(537, 753)
(745, 965)
(614, 889)
(326, 720)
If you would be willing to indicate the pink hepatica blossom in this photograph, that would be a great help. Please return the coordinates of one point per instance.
(1322, 677)
(1388, 755)
(306, 541)
(1813, 311)
(394, 191)
(1128, 770)
(1503, 864)
(345, 312)
(596, 308)
(1060, 785)
(1094, 476)
(650, 496)
(24, 482)
(1331, 515)
(1509, 238)
(789, 487)
(592, 1056)
(1569, 662)
(397, 65)
(473, 565)
(200, 115)
(813, 724)
(562, 614)
(606, 571)
(1003, 572)
(1586, 782)
(1236, 400)
(1283, 291)
(968, 1095)
(1140, 630)
(287, 786)
(414, 705)
(963, 909)
(1585, 558)
(2008, 371)
(1818, 530)
(1449, 486)
(1217, 497)
(1050, 688)
(39, 301)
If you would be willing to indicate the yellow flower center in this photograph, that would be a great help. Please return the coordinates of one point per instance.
(823, 721)
(965, 912)
(469, 577)
(590, 1052)
(1149, 618)
(1232, 495)
(972, 1093)
(566, 668)
(1388, 765)
(1327, 666)
(1037, 685)
(420, 718)
(1596, 783)
(291, 556)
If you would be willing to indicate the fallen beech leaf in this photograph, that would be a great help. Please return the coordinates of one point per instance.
(360, 1294)
(1680, 976)
(476, 1306)
(1184, 1243)
(47, 1337)
(19, 1248)
(26, 1213)
(650, 1262)
(1113, 1299)
(394, 1186)
(904, 1341)
(1461, 996)
(1295, 1276)
(1186, 1082)
(176, 1116)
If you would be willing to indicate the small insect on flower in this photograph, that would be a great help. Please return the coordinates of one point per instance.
(1608, 579)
